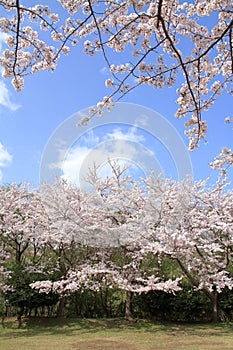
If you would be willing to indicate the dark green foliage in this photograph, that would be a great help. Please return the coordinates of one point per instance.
(91, 304)
(185, 305)
(2, 306)
(226, 304)
(23, 299)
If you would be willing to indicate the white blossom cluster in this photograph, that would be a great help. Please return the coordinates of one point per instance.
(186, 222)
(223, 160)
(155, 41)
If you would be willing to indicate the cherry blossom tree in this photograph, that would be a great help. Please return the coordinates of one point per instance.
(193, 225)
(21, 226)
(118, 234)
(103, 220)
(159, 43)
(21, 220)
(125, 201)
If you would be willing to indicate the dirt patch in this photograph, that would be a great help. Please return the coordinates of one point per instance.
(102, 344)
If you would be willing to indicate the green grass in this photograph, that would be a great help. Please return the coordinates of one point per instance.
(113, 334)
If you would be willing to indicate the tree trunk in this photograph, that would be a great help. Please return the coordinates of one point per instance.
(20, 313)
(214, 300)
(61, 307)
(128, 305)
(2, 321)
(19, 319)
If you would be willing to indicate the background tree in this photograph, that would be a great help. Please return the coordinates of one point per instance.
(194, 228)
(105, 222)
(57, 244)
(22, 225)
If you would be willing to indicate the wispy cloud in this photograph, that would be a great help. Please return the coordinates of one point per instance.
(5, 159)
(71, 166)
(5, 98)
(5, 95)
(104, 71)
(124, 145)
(131, 135)
(3, 37)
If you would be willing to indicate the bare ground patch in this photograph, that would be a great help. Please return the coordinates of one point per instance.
(102, 344)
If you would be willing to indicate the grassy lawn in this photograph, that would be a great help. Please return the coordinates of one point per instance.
(76, 334)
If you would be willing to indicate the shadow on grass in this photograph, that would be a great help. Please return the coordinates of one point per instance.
(40, 326)
(198, 329)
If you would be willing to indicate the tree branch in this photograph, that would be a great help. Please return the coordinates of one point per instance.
(17, 36)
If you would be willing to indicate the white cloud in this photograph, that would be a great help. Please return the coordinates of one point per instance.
(71, 166)
(3, 37)
(90, 139)
(130, 135)
(5, 96)
(124, 146)
(5, 156)
(80, 160)
(5, 159)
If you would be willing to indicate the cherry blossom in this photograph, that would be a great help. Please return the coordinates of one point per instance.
(109, 220)
(223, 161)
(193, 225)
(118, 234)
(21, 226)
(159, 43)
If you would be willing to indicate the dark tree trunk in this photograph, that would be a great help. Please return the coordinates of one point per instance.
(19, 319)
(214, 301)
(20, 313)
(61, 307)
(128, 305)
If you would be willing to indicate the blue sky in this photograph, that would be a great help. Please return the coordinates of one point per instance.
(29, 119)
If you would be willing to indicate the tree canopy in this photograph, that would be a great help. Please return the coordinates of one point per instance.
(119, 234)
(160, 43)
